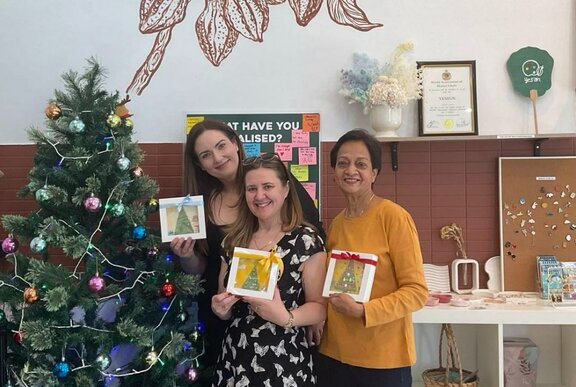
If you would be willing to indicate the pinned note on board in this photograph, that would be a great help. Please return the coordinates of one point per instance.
(530, 70)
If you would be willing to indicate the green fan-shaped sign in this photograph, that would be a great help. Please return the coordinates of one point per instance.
(530, 68)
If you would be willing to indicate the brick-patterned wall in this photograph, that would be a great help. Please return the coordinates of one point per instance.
(438, 182)
(442, 182)
(162, 162)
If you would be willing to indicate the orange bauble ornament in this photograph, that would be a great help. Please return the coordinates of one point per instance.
(53, 111)
(30, 295)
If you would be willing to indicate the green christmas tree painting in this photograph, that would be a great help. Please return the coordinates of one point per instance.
(349, 281)
(183, 225)
(251, 282)
(90, 296)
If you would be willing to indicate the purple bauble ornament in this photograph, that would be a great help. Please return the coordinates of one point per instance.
(10, 244)
(92, 203)
(191, 375)
(96, 283)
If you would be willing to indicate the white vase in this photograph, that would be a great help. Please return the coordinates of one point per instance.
(385, 120)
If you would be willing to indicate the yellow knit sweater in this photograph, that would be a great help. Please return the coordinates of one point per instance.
(384, 338)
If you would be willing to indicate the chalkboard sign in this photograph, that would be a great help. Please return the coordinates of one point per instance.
(294, 137)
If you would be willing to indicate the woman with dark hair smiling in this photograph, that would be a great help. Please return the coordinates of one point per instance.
(371, 344)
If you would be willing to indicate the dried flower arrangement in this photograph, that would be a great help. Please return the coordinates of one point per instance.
(453, 231)
(395, 83)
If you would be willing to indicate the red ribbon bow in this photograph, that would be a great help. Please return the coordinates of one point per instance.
(353, 256)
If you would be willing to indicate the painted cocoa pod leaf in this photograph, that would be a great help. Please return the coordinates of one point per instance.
(156, 15)
(347, 12)
(248, 17)
(305, 10)
(215, 36)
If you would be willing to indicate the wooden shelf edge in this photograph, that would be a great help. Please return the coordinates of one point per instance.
(542, 136)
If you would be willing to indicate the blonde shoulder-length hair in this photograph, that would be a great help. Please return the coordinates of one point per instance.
(240, 232)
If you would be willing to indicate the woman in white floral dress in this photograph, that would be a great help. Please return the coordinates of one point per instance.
(266, 343)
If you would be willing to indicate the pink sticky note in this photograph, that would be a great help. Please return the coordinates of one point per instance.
(283, 150)
(307, 156)
(300, 138)
(310, 187)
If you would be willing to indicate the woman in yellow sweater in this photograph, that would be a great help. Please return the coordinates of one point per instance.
(371, 344)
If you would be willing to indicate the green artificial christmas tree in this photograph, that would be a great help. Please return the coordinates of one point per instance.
(98, 301)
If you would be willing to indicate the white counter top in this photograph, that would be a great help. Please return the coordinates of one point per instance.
(522, 314)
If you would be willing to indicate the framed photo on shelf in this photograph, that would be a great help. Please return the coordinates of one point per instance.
(448, 103)
(182, 217)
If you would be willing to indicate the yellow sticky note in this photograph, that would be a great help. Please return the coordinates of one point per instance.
(300, 172)
(191, 121)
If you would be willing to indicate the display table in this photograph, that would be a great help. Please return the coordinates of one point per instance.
(480, 335)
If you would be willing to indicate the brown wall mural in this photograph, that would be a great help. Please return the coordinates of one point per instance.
(222, 22)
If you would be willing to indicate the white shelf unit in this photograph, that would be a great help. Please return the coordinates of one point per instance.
(480, 336)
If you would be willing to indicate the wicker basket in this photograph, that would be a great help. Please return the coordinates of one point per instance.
(452, 374)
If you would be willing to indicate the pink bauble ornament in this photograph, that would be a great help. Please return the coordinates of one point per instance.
(96, 283)
(191, 375)
(92, 203)
(10, 244)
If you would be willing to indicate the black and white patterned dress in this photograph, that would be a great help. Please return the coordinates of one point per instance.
(256, 352)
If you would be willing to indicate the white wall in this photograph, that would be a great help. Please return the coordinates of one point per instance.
(295, 69)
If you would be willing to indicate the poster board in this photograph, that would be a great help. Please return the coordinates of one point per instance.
(295, 137)
(537, 215)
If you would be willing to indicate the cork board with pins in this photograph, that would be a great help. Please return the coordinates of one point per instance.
(537, 215)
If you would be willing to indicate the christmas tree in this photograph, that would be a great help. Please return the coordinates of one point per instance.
(97, 301)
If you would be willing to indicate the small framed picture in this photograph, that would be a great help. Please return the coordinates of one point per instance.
(249, 277)
(351, 273)
(448, 103)
(182, 217)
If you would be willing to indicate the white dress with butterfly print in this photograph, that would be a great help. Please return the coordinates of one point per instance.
(256, 352)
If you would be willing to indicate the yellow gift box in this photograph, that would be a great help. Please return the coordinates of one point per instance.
(351, 273)
(254, 273)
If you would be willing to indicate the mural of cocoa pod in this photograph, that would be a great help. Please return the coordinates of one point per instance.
(248, 17)
(156, 15)
(346, 12)
(145, 73)
(221, 23)
(305, 10)
(215, 36)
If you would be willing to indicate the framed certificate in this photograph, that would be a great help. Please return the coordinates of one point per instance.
(448, 104)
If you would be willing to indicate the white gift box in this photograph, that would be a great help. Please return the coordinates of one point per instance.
(254, 273)
(351, 273)
(182, 217)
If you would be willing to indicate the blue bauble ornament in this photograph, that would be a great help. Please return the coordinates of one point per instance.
(76, 125)
(38, 244)
(123, 163)
(118, 209)
(139, 233)
(61, 369)
(43, 195)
